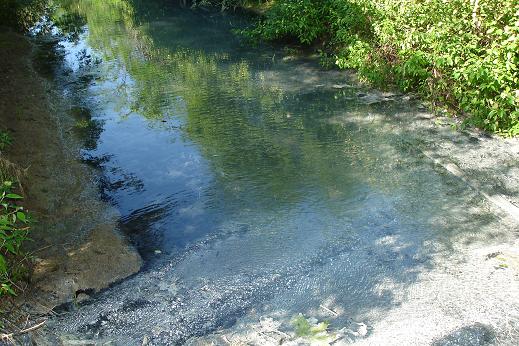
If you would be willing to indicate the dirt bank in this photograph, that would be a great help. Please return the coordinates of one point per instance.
(77, 247)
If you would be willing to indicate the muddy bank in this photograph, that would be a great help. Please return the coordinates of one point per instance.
(77, 247)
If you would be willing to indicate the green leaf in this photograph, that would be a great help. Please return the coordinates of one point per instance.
(10, 248)
(7, 288)
(21, 216)
(13, 196)
(3, 265)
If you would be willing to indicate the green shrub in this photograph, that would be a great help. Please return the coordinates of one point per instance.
(14, 227)
(463, 54)
(299, 19)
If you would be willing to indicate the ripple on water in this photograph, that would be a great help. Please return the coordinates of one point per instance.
(256, 186)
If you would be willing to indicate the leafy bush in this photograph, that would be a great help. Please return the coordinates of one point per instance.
(300, 19)
(460, 54)
(14, 227)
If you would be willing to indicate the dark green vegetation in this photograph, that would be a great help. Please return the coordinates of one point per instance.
(13, 232)
(460, 54)
(13, 225)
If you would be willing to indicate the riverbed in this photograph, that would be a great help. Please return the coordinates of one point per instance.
(266, 194)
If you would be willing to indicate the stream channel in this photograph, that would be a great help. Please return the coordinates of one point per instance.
(266, 193)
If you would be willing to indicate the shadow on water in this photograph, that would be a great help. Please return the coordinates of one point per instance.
(476, 334)
(251, 184)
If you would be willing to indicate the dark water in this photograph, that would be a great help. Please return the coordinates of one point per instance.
(251, 180)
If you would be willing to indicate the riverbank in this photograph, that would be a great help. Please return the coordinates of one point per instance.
(75, 245)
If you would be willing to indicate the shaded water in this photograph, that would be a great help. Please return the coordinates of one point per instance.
(253, 183)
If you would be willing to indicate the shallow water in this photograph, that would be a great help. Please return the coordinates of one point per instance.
(255, 184)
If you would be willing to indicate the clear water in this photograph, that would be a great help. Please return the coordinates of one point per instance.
(253, 182)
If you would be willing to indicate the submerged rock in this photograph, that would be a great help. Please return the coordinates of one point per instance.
(475, 334)
(342, 86)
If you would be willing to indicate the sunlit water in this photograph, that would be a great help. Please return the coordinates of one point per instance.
(253, 184)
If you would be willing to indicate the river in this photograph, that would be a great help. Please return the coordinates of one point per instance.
(259, 187)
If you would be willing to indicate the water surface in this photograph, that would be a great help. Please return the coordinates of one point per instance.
(253, 182)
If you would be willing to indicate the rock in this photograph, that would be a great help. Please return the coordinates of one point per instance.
(341, 86)
(355, 329)
(104, 258)
(81, 297)
(289, 58)
(362, 330)
(475, 334)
